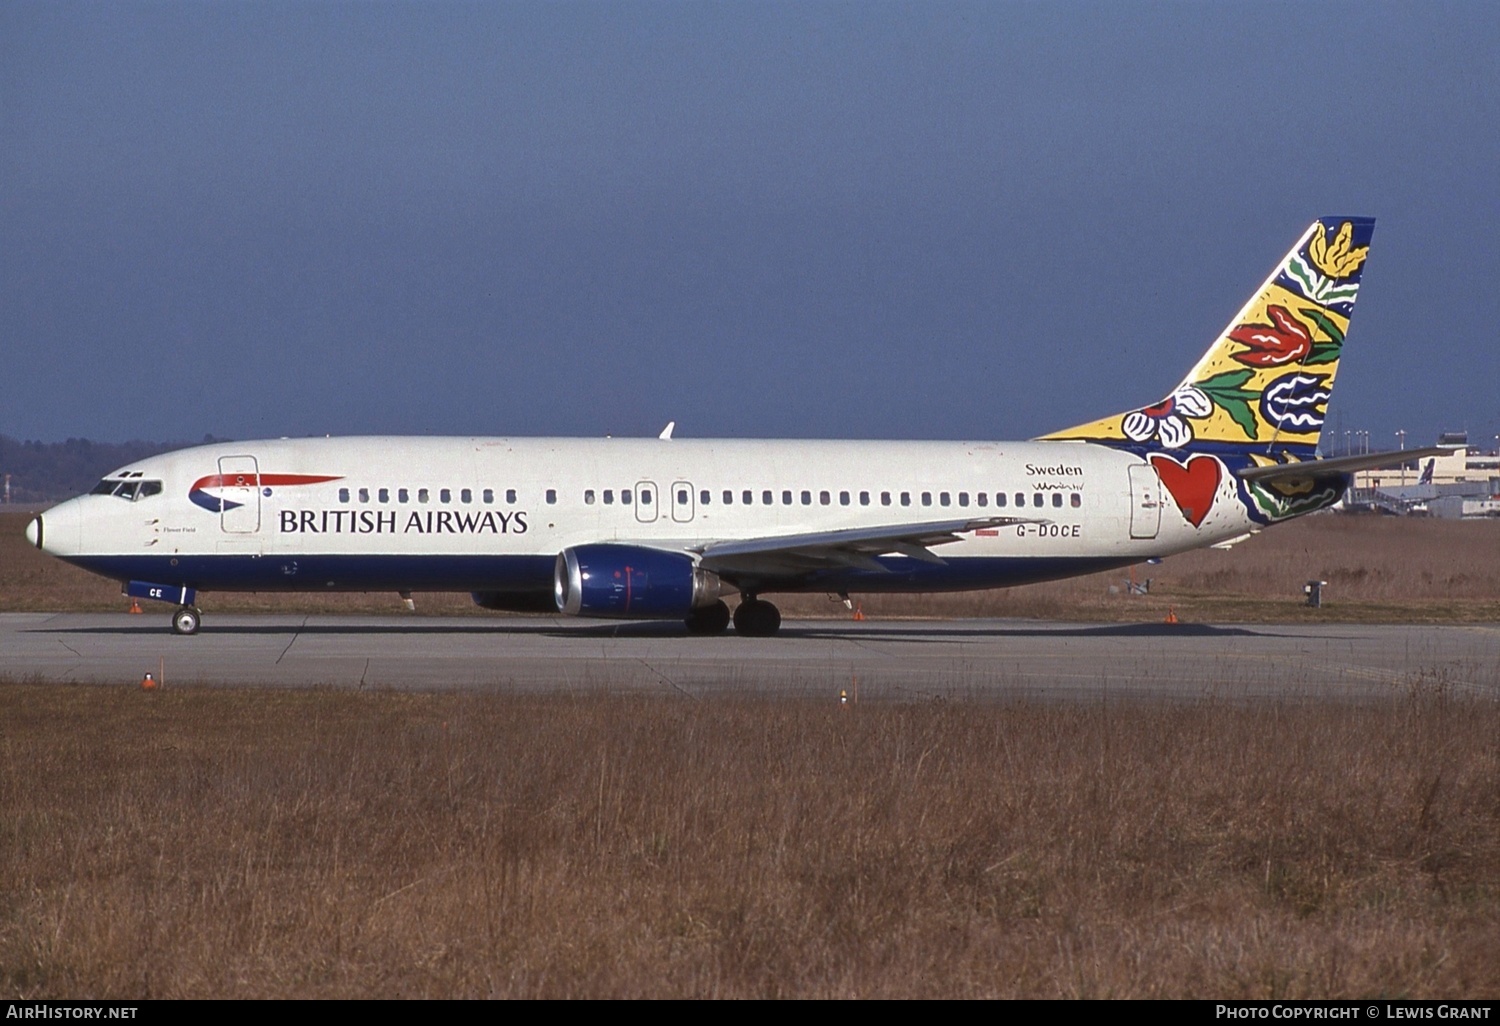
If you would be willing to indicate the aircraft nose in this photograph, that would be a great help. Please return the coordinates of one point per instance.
(58, 531)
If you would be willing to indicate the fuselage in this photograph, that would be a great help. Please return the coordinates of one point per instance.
(478, 514)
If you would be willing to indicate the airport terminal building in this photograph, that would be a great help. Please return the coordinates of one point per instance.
(1463, 485)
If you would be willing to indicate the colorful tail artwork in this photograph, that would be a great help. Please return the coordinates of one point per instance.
(1258, 397)
(1263, 386)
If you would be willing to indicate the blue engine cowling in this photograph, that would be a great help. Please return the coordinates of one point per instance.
(631, 581)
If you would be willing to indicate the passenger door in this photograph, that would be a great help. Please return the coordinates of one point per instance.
(239, 491)
(1145, 501)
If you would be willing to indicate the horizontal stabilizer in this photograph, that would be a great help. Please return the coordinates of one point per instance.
(1340, 464)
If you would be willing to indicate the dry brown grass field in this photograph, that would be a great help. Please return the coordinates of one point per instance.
(1379, 569)
(202, 842)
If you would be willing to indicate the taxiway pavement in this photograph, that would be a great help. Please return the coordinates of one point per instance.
(872, 659)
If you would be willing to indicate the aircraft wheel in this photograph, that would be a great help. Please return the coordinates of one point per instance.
(186, 620)
(709, 620)
(757, 619)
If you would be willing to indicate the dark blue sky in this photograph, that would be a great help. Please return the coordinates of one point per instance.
(931, 220)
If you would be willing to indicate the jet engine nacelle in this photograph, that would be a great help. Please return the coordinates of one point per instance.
(633, 581)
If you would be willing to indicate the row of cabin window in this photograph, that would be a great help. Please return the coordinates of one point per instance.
(767, 498)
(747, 497)
(403, 495)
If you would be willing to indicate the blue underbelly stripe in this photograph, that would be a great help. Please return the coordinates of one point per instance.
(534, 573)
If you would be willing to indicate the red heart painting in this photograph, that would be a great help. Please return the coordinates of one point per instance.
(1193, 485)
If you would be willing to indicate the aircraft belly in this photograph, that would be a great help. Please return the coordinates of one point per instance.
(959, 574)
(325, 572)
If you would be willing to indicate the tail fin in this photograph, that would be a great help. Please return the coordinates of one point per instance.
(1264, 385)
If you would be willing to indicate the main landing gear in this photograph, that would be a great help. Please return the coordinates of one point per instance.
(187, 620)
(753, 618)
(756, 618)
(709, 620)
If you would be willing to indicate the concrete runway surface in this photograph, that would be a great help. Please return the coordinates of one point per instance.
(971, 659)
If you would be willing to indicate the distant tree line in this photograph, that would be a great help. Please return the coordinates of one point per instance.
(49, 471)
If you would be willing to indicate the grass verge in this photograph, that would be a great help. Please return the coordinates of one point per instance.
(208, 843)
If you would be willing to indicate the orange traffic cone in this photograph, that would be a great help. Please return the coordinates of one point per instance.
(148, 683)
(859, 612)
(1171, 615)
(135, 606)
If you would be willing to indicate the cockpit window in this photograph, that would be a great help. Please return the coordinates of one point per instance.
(131, 491)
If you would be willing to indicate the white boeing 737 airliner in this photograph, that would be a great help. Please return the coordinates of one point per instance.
(662, 528)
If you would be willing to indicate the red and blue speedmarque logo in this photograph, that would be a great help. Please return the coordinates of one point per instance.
(200, 496)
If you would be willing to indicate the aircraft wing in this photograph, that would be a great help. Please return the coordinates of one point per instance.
(1340, 464)
(856, 547)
